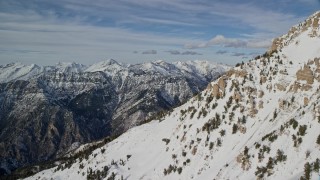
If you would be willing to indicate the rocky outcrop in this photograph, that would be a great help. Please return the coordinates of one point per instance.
(263, 79)
(280, 87)
(218, 89)
(260, 94)
(298, 86)
(237, 73)
(237, 96)
(305, 101)
(305, 74)
(276, 44)
(260, 104)
(281, 103)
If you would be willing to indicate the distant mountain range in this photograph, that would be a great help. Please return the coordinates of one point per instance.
(48, 110)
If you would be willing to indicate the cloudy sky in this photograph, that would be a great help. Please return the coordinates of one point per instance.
(87, 31)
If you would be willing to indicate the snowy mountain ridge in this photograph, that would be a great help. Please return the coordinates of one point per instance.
(14, 71)
(19, 71)
(260, 120)
(310, 27)
(47, 110)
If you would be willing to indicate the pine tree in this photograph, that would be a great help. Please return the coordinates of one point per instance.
(280, 156)
(234, 128)
(316, 165)
(307, 171)
(318, 140)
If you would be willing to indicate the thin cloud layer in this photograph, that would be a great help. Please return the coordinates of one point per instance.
(221, 52)
(190, 53)
(237, 54)
(149, 52)
(71, 30)
(175, 52)
(230, 42)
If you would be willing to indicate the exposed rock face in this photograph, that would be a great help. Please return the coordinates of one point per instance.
(305, 101)
(280, 87)
(242, 129)
(263, 79)
(215, 91)
(218, 89)
(298, 86)
(305, 74)
(222, 84)
(315, 23)
(282, 103)
(44, 110)
(252, 104)
(237, 73)
(260, 104)
(317, 71)
(275, 44)
(261, 93)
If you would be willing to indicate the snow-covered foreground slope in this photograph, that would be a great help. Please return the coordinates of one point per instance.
(259, 121)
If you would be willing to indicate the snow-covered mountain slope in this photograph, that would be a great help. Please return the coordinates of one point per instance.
(63, 67)
(259, 121)
(111, 67)
(15, 71)
(47, 110)
(19, 71)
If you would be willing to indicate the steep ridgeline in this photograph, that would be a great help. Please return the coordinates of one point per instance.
(45, 110)
(259, 121)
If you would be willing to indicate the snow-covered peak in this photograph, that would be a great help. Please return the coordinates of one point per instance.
(67, 67)
(301, 43)
(302, 47)
(308, 29)
(197, 67)
(14, 71)
(112, 68)
(109, 66)
(201, 66)
(158, 66)
(162, 62)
